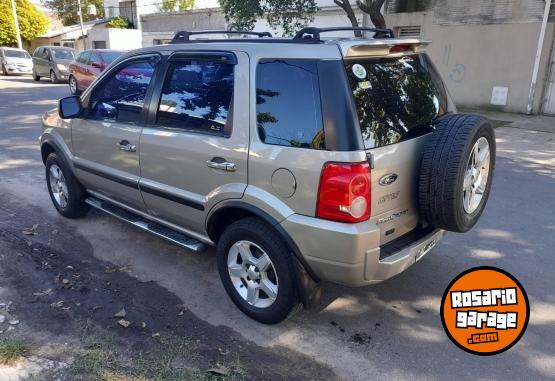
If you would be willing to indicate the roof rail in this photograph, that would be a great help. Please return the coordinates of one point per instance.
(313, 33)
(184, 35)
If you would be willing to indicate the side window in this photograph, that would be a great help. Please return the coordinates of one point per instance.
(38, 52)
(86, 58)
(288, 109)
(122, 96)
(197, 95)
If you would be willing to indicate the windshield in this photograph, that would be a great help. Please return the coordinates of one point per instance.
(396, 98)
(110, 57)
(16, 53)
(62, 54)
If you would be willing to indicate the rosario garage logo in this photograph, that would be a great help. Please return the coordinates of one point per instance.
(485, 311)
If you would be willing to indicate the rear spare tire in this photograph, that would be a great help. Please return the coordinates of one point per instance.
(456, 172)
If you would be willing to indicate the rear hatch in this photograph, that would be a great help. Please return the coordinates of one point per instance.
(397, 99)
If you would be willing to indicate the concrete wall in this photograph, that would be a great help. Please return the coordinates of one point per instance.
(119, 39)
(474, 58)
(165, 25)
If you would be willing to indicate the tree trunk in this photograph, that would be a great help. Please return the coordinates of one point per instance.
(346, 6)
(374, 9)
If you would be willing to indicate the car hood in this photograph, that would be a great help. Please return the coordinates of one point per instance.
(63, 62)
(17, 60)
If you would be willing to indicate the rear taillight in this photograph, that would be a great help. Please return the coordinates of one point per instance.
(344, 193)
(400, 49)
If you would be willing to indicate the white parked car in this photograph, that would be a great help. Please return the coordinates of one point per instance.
(15, 61)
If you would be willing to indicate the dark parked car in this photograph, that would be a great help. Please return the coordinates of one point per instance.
(87, 66)
(52, 62)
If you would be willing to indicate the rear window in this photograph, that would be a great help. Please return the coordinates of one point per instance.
(288, 109)
(396, 98)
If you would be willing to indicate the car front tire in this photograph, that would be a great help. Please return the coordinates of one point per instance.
(53, 77)
(35, 76)
(65, 191)
(4, 71)
(257, 271)
(73, 87)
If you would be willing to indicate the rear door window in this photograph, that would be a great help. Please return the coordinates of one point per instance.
(288, 109)
(396, 98)
(197, 96)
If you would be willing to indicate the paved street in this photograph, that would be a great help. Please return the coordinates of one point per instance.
(387, 331)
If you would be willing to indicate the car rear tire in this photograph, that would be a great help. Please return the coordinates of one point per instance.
(53, 77)
(73, 87)
(65, 191)
(257, 271)
(35, 76)
(456, 172)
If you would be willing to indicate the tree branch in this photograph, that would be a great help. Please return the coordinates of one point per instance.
(346, 6)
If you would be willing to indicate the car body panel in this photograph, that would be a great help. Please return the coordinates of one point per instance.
(169, 173)
(45, 61)
(15, 65)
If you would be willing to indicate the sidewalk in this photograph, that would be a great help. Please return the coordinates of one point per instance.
(541, 123)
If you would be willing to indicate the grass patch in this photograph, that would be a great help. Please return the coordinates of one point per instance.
(166, 358)
(13, 350)
(499, 123)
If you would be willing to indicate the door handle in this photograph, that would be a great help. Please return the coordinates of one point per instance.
(220, 163)
(124, 145)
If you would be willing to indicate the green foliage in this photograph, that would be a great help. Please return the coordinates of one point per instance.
(174, 5)
(118, 22)
(12, 350)
(291, 15)
(67, 10)
(32, 22)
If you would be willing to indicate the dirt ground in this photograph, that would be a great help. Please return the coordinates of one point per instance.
(64, 301)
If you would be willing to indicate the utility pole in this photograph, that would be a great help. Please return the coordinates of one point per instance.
(14, 12)
(80, 13)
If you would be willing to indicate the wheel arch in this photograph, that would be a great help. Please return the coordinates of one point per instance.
(230, 211)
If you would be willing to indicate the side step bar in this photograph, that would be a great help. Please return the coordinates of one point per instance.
(168, 234)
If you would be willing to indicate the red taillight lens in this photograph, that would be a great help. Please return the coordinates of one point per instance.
(344, 193)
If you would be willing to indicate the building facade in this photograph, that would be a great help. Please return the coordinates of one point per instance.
(485, 49)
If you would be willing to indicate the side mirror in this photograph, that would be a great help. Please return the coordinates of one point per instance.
(97, 65)
(70, 107)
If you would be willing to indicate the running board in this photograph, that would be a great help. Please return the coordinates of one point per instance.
(168, 234)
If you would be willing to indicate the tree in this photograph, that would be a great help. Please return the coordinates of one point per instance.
(32, 22)
(118, 22)
(176, 5)
(67, 10)
(291, 15)
(371, 7)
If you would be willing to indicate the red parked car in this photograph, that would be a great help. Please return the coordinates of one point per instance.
(87, 65)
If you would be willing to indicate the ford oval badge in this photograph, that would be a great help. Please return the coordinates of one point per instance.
(388, 179)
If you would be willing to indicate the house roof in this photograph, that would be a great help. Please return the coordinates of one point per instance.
(73, 28)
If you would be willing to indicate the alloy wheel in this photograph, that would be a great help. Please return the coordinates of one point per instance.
(58, 185)
(476, 175)
(253, 274)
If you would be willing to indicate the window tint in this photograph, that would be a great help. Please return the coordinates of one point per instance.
(396, 98)
(197, 95)
(122, 97)
(63, 54)
(288, 108)
(16, 53)
(86, 58)
(110, 57)
(94, 57)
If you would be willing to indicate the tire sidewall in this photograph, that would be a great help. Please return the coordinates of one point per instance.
(75, 206)
(465, 220)
(281, 258)
(53, 77)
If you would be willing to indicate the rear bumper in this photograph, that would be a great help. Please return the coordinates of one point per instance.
(350, 254)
